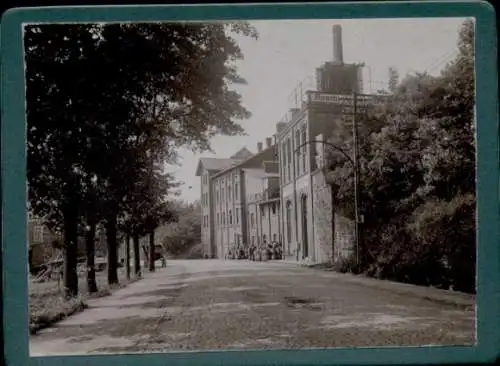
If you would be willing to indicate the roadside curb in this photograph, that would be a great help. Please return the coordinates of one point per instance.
(458, 299)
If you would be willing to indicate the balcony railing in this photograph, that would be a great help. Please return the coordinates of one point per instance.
(271, 193)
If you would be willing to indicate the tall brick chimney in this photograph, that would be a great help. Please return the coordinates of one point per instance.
(338, 53)
(259, 146)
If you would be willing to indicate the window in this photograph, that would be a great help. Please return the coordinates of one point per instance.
(223, 218)
(229, 193)
(264, 238)
(218, 219)
(288, 222)
(283, 157)
(298, 149)
(230, 217)
(263, 211)
(252, 220)
(222, 194)
(236, 191)
(237, 215)
(273, 208)
(253, 240)
(275, 237)
(289, 158)
(304, 148)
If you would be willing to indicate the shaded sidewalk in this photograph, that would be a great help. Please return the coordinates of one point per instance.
(109, 316)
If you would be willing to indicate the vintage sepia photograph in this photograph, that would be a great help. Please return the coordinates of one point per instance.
(249, 185)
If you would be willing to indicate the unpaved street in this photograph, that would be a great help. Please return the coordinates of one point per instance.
(213, 304)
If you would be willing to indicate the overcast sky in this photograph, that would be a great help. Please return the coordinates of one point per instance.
(289, 51)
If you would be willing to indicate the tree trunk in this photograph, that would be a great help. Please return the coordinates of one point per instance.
(137, 256)
(111, 233)
(70, 250)
(146, 254)
(127, 256)
(90, 252)
(152, 251)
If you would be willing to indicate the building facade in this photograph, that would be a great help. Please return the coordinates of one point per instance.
(210, 204)
(270, 218)
(283, 194)
(224, 198)
(306, 205)
(262, 205)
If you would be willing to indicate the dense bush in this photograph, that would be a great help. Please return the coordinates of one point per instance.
(417, 165)
(347, 264)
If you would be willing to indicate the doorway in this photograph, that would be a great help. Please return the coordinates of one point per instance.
(305, 236)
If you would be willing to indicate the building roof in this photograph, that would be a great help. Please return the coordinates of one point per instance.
(242, 154)
(216, 164)
(242, 164)
(212, 164)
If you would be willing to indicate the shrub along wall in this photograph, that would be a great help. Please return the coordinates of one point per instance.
(417, 163)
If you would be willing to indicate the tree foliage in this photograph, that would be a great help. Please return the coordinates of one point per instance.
(107, 106)
(418, 177)
(179, 237)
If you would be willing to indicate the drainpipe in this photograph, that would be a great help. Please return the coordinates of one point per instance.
(295, 194)
(281, 214)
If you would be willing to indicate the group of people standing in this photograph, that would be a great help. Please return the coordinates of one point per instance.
(263, 252)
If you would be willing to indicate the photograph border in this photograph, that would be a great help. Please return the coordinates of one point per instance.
(14, 195)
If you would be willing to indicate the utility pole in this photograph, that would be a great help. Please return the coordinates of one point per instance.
(355, 159)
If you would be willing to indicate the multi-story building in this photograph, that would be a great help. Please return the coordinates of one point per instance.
(223, 192)
(283, 194)
(262, 205)
(206, 169)
(305, 197)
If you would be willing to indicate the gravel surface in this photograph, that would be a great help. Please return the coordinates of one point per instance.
(211, 304)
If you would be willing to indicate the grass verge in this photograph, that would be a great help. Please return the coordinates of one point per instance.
(48, 306)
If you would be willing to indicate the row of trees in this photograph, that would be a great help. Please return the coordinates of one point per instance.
(418, 177)
(107, 108)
